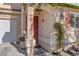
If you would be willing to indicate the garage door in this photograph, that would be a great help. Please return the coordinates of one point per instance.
(7, 31)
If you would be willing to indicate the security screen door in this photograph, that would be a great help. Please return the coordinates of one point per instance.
(7, 31)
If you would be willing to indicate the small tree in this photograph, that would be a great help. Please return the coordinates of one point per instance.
(59, 34)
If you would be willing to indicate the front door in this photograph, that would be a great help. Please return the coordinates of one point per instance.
(36, 29)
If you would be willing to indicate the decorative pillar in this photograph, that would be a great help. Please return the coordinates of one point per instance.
(30, 29)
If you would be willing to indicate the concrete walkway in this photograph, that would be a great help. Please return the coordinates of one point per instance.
(9, 50)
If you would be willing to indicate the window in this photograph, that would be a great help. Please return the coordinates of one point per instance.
(77, 22)
(72, 20)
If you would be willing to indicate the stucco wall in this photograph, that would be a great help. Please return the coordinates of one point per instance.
(45, 28)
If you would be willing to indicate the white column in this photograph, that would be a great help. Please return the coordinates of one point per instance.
(30, 28)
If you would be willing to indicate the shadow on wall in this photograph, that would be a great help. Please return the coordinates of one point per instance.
(10, 36)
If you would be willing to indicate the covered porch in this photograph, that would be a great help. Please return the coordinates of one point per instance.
(44, 16)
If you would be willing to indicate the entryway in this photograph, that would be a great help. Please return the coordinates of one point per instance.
(35, 28)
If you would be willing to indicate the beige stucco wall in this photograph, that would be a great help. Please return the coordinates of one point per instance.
(47, 19)
(45, 28)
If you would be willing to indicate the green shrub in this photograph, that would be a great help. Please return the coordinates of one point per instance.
(59, 35)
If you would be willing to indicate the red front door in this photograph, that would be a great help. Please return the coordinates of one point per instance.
(36, 29)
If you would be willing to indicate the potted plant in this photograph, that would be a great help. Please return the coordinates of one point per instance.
(22, 40)
(59, 35)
